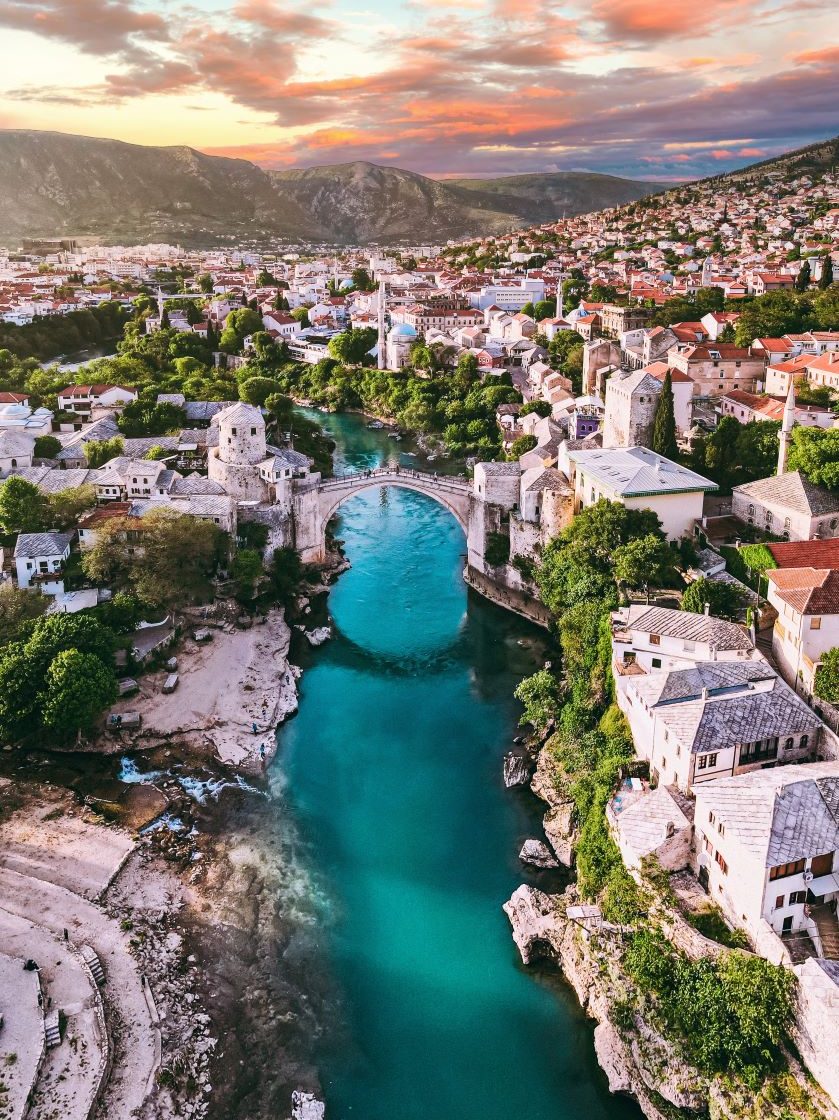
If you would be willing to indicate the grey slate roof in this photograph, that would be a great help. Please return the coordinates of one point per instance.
(716, 632)
(31, 545)
(806, 821)
(52, 480)
(499, 470)
(137, 448)
(792, 491)
(638, 471)
(204, 410)
(195, 484)
(550, 479)
(748, 804)
(744, 702)
(293, 458)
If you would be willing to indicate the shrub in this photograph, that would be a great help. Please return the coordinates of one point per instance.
(497, 550)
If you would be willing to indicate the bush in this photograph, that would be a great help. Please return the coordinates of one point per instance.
(497, 550)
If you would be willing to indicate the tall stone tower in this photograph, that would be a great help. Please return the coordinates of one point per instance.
(241, 448)
(787, 423)
(381, 310)
(707, 267)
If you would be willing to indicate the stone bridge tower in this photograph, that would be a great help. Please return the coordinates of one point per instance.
(241, 448)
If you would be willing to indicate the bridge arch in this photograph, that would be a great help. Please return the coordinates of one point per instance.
(315, 508)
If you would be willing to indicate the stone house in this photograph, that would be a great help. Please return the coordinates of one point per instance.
(787, 505)
(807, 626)
(40, 559)
(640, 479)
(767, 850)
(715, 718)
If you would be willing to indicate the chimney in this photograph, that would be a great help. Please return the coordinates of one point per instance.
(705, 694)
(707, 609)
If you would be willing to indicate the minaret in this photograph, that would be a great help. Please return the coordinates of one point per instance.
(381, 324)
(707, 266)
(786, 427)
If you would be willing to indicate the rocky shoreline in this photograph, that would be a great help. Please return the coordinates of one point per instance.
(639, 1060)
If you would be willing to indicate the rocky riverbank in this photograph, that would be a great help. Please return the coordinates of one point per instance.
(632, 1048)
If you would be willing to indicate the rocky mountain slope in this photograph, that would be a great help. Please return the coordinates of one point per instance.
(55, 184)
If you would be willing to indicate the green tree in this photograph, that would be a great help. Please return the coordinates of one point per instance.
(237, 326)
(520, 447)
(814, 452)
(17, 607)
(826, 685)
(205, 282)
(541, 408)
(362, 281)
(257, 390)
(179, 555)
(529, 309)
(664, 423)
(802, 280)
(352, 346)
(643, 562)
(771, 316)
(724, 600)
(46, 447)
(97, 452)
(78, 687)
(23, 508)
(285, 574)
(158, 453)
(144, 418)
(544, 309)
(539, 695)
(301, 314)
(66, 506)
(826, 278)
(247, 571)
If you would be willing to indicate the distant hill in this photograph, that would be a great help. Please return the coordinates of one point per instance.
(55, 184)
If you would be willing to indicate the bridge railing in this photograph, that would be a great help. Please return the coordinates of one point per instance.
(442, 480)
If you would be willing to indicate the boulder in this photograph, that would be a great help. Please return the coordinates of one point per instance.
(319, 636)
(306, 1106)
(518, 769)
(537, 854)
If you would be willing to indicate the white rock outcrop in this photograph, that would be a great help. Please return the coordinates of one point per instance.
(537, 854)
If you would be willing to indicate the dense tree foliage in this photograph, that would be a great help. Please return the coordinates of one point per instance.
(724, 600)
(735, 453)
(664, 422)
(56, 677)
(815, 452)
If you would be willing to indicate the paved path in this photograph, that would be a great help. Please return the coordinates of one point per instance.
(21, 1039)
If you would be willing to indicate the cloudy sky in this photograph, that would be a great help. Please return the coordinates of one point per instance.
(663, 89)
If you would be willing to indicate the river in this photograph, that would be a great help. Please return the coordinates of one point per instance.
(392, 772)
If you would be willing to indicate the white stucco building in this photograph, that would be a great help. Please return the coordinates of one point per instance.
(640, 479)
(767, 849)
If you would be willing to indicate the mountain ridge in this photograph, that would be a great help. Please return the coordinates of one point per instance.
(62, 184)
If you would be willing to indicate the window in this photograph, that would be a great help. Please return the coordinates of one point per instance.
(712, 761)
(815, 623)
(779, 901)
(822, 865)
(797, 898)
(723, 865)
(703, 762)
(655, 639)
(784, 870)
(656, 662)
(751, 510)
(721, 829)
(805, 739)
(233, 430)
(711, 818)
(708, 846)
(788, 744)
(253, 431)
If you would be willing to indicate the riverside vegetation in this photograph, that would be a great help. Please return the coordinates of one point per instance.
(727, 1015)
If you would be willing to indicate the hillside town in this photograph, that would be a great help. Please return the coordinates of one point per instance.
(637, 409)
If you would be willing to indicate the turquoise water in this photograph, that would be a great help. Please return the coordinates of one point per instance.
(392, 769)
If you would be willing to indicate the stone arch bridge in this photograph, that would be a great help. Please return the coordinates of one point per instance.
(314, 507)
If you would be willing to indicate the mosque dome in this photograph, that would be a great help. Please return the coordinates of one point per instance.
(402, 332)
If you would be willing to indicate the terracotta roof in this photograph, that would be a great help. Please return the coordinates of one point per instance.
(807, 590)
(805, 554)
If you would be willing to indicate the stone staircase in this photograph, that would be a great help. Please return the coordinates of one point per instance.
(52, 1029)
(94, 964)
(828, 927)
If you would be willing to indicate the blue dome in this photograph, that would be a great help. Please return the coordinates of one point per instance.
(402, 330)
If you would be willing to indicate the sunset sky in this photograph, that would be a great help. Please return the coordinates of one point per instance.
(642, 88)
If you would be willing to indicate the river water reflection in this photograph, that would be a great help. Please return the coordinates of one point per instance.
(392, 769)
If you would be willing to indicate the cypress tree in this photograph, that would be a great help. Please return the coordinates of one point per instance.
(664, 422)
(802, 280)
(826, 278)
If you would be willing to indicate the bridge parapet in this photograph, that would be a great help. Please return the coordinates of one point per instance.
(390, 474)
